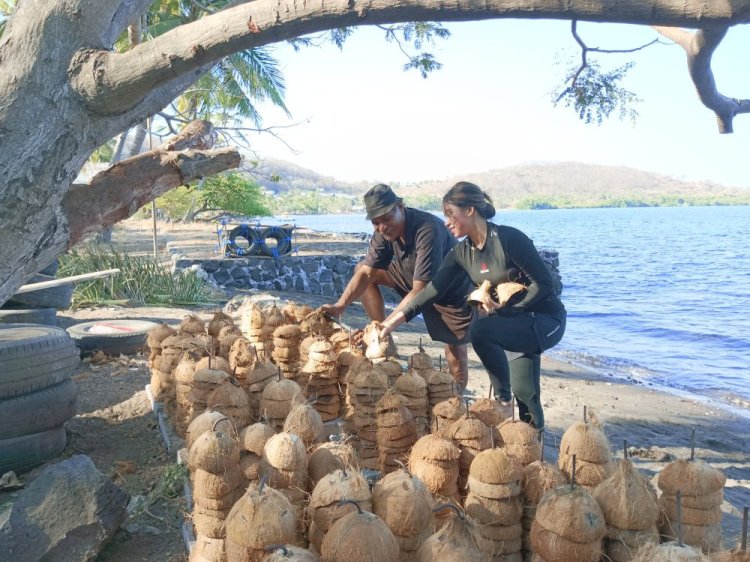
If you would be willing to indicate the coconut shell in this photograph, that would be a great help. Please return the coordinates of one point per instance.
(206, 422)
(208, 379)
(261, 373)
(420, 360)
(488, 411)
(219, 504)
(587, 441)
(571, 513)
(303, 420)
(438, 480)
(329, 457)
(262, 517)
(587, 473)
(332, 488)
(219, 321)
(229, 396)
(191, 324)
(690, 515)
(493, 491)
(714, 499)
(283, 390)
(431, 447)
(731, 556)
(451, 409)
(214, 451)
(624, 547)
(454, 542)
(628, 500)
(487, 511)
(286, 451)
(250, 465)
(215, 486)
(242, 354)
(208, 525)
(185, 369)
(363, 537)
(505, 291)
(707, 538)
(158, 334)
(668, 552)
(520, 440)
(692, 478)
(552, 546)
(404, 503)
(206, 549)
(495, 466)
(253, 438)
(290, 553)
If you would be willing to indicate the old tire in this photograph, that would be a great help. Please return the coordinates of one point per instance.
(283, 238)
(28, 451)
(113, 337)
(12, 315)
(37, 411)
(33, 357)
(55, 297)
(243, 232)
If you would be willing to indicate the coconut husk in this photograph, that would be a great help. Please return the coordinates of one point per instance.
(499, 539)
(628, 500)
(714, 499)
(288, 332)
(242, 354)
(219, 321)
(214, 451)
(587, 441)
(705, 537)
(206, 549)
(250, 465)
(588, 474)
(691, 477)
(495, 466)
(229, 330)
(438, 480)
(315, 537)
(285, 480)
(207, 421)
(493, 491)
(552, 546)
(431, 447)
(185, 369)
(487, 511)
(216, 363)
(162, 386)
(208, 525)
(730, 556)
(453, 542)
(332, 488)
(261, 373)
(286, 451)
(620, 551)
(538, 478)
(668, 552)
(488, 411)
(451, 409)
(392, 369)
(253, 438)
(481, 295)
(230, 399)
(304, 421)
(630, 537)
(411, 384)
(285, 354)
(208, 379)
(505, 291)
(469, 430)
(420, 360)
(690, 515)
(571, 513)
(329, 457)
(215, 486)
(520, 440)
(158, 334)
(362, 537)
(261, 517)
(191, 324)
(220, 504)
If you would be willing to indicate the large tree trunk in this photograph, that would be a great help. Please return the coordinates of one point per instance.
(64, 92)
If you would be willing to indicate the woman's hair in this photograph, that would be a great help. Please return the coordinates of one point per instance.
(465, 194)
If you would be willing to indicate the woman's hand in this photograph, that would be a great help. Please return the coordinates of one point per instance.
(391, 323)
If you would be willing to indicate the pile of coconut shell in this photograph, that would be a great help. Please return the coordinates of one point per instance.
(183, 377)
(284, 464)
(368, 387)
(204, 381)
(589, 444)
(702, 489)
(320, 379)
(434, 460)
(242, 357)
(494, 502)
(446, 413)
(286, 340)
(251, 325)
(231, 400)
(520, 440)
(414, 388)
(396, 431)
(346, 358)
(257, 379)
(252, 441)
(539, 477)
(277, 400)
(472, 437)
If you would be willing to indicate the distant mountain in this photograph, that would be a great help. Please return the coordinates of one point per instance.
(572, 182)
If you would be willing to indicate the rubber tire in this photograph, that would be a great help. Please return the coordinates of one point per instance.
(248, 233)
(38, 411)
(54, 297)
(23, 453)
(11, 315)
(51, 269)
(281, 235)
(33, 357)
(125, 343)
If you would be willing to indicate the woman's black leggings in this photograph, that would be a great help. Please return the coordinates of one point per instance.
(526, 335)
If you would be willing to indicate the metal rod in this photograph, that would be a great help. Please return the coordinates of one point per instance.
(513, 408)
(490, 393)
(573, 474)
(584, 415)
(541, 440)
(679, 518)
(692, 445)
(743, 544)
(625, 448)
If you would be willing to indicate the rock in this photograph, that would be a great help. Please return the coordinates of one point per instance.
(69, 512)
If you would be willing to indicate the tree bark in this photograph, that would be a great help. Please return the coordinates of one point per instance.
(64, 92)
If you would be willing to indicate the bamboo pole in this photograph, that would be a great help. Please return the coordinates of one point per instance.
(28, 288)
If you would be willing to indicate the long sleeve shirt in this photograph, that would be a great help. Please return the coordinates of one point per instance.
(507, 255)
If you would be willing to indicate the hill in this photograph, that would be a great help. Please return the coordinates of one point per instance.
(538, 185)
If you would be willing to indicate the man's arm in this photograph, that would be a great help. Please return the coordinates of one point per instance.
(354, 289)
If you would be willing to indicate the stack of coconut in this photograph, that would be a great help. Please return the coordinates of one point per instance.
(284, 464)
(472, 437)
(368, 387)
(396, 433)
(455, 540)
(520, 440)
(494, 501)
(445, 413)
(295, 313)
(257, 379)
(587, 442)
(568, 527)
(205, 380)
(261, 518)
(414, 389)
(702, 490)
(346, 358)
(277, 400)
(539, 477)
(160, 381)
(359, 365)
(251, 325)
(231, 400)
(304, 421)
(286, 340)
(274, 318)
(320, 376)
(404, 504)
(329, 457)
(392, 369)
(318, 323)
(252, 442)
(420, 361)
(217, 323)
(440, 385)
(242, 357)
(183, 376)
(226, 338)
(489, 411)
(434, 460)
(171, 351)
(324, 508)
(359, 535)
(631, 512)
(214, 464)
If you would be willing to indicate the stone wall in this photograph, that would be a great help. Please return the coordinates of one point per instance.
(319, 274)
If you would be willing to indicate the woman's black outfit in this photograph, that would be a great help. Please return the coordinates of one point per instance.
(533, 321)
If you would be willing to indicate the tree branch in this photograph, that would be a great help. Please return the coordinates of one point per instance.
(112, 83)
(699, 47)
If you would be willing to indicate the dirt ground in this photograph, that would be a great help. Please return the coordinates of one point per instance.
(117, 429)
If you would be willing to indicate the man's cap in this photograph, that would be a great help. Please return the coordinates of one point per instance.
(380, 200)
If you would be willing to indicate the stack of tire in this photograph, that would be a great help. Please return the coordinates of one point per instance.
(38, 307)
(37, 395)
(271, 241)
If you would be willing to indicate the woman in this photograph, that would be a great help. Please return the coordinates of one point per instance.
(531, 322)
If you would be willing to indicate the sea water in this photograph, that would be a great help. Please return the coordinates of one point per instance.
(659, 295)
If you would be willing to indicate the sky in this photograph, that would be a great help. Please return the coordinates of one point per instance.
(361, 117)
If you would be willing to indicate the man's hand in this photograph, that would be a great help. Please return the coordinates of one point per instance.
(335, 310)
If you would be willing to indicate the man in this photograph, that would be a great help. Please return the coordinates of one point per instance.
(405, 251)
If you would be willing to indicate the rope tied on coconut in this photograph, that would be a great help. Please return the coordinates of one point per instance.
(217, 422)
(342, 503)
(262, 483)
(455, 508)
(274, 547)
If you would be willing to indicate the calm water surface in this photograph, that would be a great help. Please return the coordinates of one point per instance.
(661, 295)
